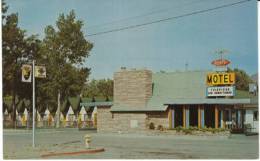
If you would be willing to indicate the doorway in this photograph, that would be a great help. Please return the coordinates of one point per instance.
(209, 116)
(178, 116)
(193, 115)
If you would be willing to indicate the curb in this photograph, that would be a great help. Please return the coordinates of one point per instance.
(74, 153)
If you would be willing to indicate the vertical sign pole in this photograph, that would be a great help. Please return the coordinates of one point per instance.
(33, 76)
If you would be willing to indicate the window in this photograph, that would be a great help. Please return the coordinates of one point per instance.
(255, 116)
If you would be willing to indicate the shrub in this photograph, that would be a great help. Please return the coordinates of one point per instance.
(151, 126)
(178, 129)
(193, 128)
(160, 127)
(187, 131)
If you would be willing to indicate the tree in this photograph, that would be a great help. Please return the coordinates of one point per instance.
(91, 90)
(105, 88)
(242, 79)
(16, 48)
(99, 88)
(66, 49)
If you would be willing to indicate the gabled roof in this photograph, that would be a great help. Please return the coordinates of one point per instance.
(75, 103)
(187, 87)
(189, 84)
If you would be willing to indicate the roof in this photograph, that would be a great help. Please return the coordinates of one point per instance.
(90, 104)
(116, 108)
(189, 84)
(187, 87)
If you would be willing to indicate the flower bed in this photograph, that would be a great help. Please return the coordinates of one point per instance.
(199, 131)
(193, 131)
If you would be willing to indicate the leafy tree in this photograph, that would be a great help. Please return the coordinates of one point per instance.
(91, 90)
(99, 88)
(65, 49)
(242, 79)
(105, 88)
(16, 48)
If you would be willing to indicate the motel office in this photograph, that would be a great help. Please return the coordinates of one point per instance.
(174, 99)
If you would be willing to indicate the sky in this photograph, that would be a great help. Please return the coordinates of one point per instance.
(167, 45)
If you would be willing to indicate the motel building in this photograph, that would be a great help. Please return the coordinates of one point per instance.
(190, 98)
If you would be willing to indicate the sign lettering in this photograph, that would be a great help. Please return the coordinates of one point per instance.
(220, 79)
(221, 91)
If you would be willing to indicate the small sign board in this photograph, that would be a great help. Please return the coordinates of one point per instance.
(220, 91)
(220, 79)
(26, 73)
(40, 71)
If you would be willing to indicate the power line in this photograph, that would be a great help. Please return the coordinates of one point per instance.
(167, 19)
(142, 15)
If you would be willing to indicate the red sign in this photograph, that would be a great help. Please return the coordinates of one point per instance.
(220, 62)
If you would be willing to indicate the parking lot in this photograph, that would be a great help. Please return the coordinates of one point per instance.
(18, 145)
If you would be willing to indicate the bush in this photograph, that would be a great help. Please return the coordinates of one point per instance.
(151, 126)
(178, 129)
(160, 127)
(194, 128)
(187, 131)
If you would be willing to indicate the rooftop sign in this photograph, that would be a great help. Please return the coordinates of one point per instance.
(220, 62)
(214, 79)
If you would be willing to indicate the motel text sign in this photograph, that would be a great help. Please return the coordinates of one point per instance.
(221, 91)
(215, 79)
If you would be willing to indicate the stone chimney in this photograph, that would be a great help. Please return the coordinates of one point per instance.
(132, 88)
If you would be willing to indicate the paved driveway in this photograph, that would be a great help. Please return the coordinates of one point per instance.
(17, 144)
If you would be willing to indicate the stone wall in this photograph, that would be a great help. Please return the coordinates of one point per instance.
(158, 118)
(104, 119)
(132, 87)
(128, 122)
(120, 122)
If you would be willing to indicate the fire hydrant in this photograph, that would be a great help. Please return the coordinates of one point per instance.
(87, 141)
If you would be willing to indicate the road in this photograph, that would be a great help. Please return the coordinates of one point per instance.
(17, 145)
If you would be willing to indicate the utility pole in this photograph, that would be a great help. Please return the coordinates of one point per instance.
(186, 66)
(33, 77)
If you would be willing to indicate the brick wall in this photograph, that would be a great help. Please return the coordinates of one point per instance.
(132, 87)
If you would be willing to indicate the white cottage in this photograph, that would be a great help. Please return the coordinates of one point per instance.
(70, 117)
(48, 118)
(83, 114)
(6, 115)
(24, 117)
(82, 117)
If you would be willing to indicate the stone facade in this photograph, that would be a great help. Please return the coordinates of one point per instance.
(158, 118)
(129, 122)
(104, 119)
(132, 87)
(120, 122)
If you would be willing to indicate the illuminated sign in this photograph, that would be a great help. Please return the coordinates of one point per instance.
(220, 79)
(220, 91)
(220, 62)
